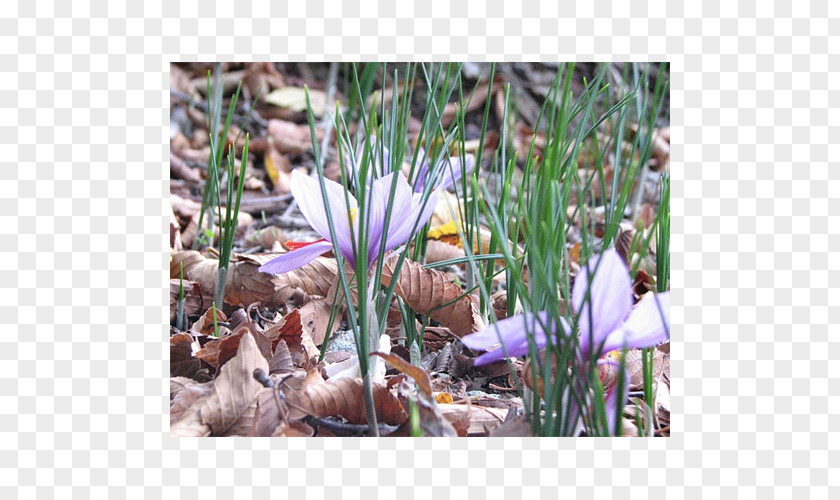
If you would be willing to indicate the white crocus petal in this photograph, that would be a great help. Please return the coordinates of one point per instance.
(378, 367)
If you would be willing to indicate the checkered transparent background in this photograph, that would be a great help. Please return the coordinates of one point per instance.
(84, 194)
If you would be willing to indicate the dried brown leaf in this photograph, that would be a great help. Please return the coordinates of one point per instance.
(187, 392)
(344, 397)
(246, 285)
(281, 361)
(482, 419)
(438, 251)
(271, 412)
(419, 375)
(289, 137)
(193, 299)
(181, 360)
(298, 340)
(315, 317)
(426, 290)
(235, 389)
(229, 345)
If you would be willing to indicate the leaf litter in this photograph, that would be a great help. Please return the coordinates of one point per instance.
(268, 372)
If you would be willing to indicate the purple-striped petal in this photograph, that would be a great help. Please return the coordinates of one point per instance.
(405, 210)
(610, 297)
(510, 332)
(451, 173)
(307, 193)
(296, 258)
(648, 325)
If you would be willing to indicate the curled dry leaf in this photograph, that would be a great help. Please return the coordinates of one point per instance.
(228, 346)
(246, 285)
(209, 322)
(175, 243)
(298, 340)
(438, 251)
(279, 168)
(513, 426)
(266, 237)
(187, 393)
(426, 291)
(281, 360)
(235, 389)
(270, 416)
(421, 378)
(193, 299)
(314, 278)
(315, 317)
(181, 360)
(343, 397)
(291, 138)
(479, 98)
(482, 419)
(499, 301)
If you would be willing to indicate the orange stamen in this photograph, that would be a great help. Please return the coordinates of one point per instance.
(294, 245)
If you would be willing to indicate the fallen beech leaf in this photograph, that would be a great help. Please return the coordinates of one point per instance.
(517, 426)
(262, 77)
(314, 278)
(290, 329)
(235, 389)
(344, 397)
(295, 429)
(289, 137)
(421, 378)
(208, 323)
(426, 290)
(438, 251)
(482, 419)
(229, 345)
(281, 361)
(479, 98)
(186, 396)
(181, 360)
(270, 414)
(188, 423)
(294, 98)
(245, 284)
(315, 317)
(499, 301)
(193, 300)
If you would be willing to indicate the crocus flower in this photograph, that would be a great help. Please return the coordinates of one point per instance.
(405, 210)
(449, 174)
(451, 171)
(615, 323)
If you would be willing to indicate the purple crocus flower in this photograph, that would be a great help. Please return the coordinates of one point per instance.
(405, 210)
(616, 323)
(451, 168)
(451, 171)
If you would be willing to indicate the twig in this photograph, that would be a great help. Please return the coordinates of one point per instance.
(237, 115)
(346, 430)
